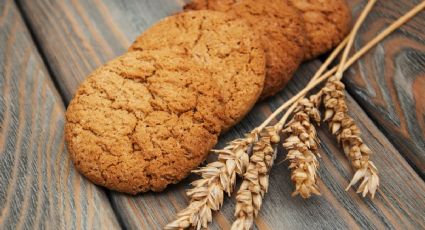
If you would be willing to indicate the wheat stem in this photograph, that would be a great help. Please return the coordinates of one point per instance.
(352, 36)
(343, 126)
(395, 25)
(314, 82)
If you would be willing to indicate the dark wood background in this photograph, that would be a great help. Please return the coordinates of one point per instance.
(44, 58)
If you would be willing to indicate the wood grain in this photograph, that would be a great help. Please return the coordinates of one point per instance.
(389, 82)
(77, 36)
(39, 187)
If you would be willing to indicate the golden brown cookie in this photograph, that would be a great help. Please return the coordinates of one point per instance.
(224, 45)
(327, 22)
(143, 121)
(280, 28)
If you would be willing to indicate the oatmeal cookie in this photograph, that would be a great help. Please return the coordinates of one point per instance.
(143, 121)
(280, 28)
(224, 45)
(327, 22)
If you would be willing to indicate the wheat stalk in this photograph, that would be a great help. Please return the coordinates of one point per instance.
(302, 147)
(344, 127)
(302, 141)
(348, 134)
(256, 179)
(217, 177)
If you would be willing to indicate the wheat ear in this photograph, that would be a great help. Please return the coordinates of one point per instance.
(302, 142)
(302, 146)
(348, 134)
(343, 126)
(217, 177)
(256, 179)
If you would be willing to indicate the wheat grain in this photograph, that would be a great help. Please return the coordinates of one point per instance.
(217, 177)
(302, 147)
(256, 180)
(343, 126)
(348, 135)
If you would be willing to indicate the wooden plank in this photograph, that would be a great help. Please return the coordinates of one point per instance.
(78, 32)
(39, 187)
(389, 82)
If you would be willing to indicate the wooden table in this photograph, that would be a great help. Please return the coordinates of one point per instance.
(47, 48)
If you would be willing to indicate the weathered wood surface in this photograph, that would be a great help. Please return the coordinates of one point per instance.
(39, 187)
(389, 82)
(77, 36)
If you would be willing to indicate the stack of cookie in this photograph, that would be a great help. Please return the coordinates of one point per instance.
(147, 118)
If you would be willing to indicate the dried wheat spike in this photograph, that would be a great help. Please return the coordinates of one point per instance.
(216, 178)
(348, 134)
(302, 147)
(256, 180)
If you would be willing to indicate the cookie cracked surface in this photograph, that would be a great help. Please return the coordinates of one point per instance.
(224, 45)
(280, 28)
(143, 121)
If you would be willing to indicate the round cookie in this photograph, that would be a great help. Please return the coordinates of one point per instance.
(281, 31)
(143, 121)
(327, 22)
(224, 45)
